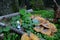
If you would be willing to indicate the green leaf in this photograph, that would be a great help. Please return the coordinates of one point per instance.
(22, 11)
(6, 29)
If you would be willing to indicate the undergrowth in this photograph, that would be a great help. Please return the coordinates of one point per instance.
(28, 25)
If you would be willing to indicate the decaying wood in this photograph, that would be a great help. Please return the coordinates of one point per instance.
(9, 15)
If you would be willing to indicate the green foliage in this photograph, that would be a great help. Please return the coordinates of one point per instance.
(37, 4)
(45, 13)
(4, 29)
(27, 24)
(10, 36)
(25, 16)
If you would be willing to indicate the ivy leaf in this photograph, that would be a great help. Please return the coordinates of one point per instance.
(22, 11)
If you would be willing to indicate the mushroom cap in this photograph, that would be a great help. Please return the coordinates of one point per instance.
(25, 37)
(34, 37)
(51, 28)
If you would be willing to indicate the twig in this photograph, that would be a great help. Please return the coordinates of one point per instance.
(15, 30)
(9, 15)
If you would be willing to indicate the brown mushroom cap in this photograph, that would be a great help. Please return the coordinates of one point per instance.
(34, 37)
(30, 37)
(38, 29)
(25, 37)
(51, 28)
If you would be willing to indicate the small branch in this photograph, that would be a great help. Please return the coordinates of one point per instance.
(56, 3)
(16, 31)
(9, 15)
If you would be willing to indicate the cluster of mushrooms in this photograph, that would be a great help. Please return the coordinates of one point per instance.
(44, 26)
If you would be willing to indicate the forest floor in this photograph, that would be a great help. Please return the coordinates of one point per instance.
(45, 14)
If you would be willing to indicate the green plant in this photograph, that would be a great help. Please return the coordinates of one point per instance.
(27, 24)
(26, 20)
